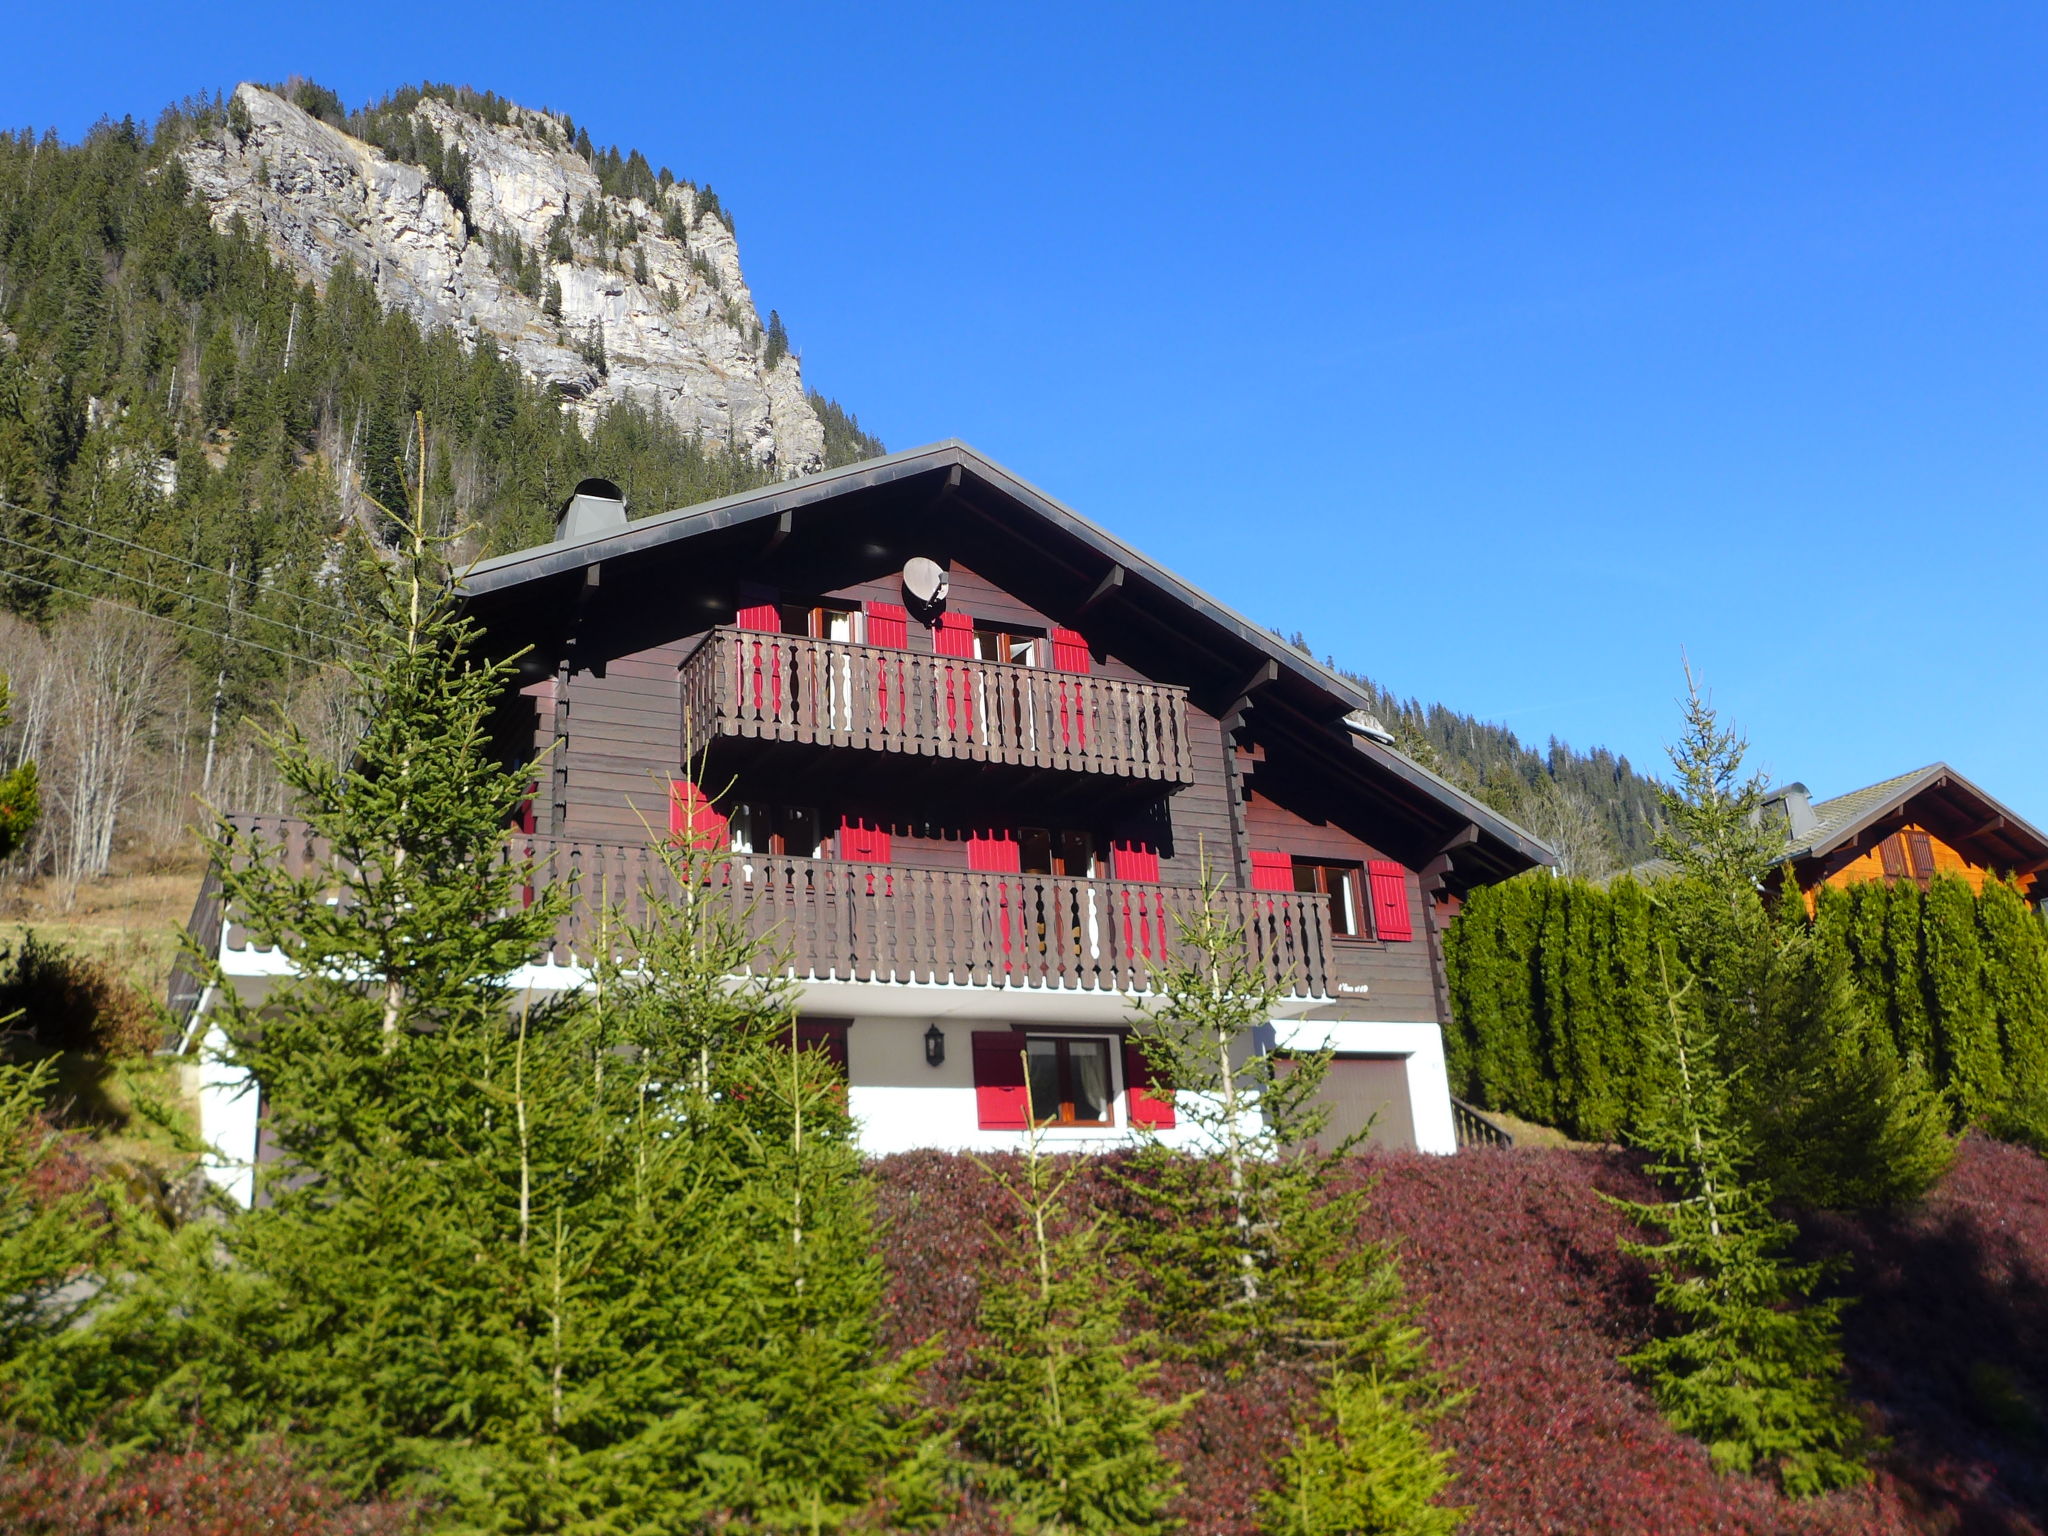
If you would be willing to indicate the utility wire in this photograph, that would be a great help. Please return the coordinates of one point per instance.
(161, 554)
(172, 592)
(161, 618)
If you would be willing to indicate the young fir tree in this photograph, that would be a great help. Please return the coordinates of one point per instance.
(1252, 1250)
(1818, 1101)
(20, 794)
(1061, 1420)
(1753, 1367)
(537, 1263)
(1365, 1469)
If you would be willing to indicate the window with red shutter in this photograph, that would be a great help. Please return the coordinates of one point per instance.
(955, 635)
(1070, 651)
(996, 853)
(827, 1035)
(1390, 920)
(1272, 871)
(1146, 1103)
(693, 820)
(1134, 861)
(888, 625)
(863, 842)
(1000, 1100)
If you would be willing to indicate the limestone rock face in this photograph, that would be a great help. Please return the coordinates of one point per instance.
(686, 340)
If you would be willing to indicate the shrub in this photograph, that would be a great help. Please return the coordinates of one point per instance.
(57, 1490)
(71, 1002)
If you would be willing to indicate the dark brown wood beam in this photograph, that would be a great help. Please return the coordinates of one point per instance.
(1111, 585)
(780, 531)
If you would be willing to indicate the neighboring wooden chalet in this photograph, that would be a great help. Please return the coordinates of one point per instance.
(969, 755)
(1930, 822)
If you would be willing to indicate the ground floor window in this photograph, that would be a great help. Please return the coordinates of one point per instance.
(1069, 1081)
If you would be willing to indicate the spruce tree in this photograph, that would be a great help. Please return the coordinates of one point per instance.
(20, 792)
(1252, 1250)
(1753, 1367)
(1062, 1418)
(1366, 1468)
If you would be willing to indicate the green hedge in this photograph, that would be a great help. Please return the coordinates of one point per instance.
(1554, 987)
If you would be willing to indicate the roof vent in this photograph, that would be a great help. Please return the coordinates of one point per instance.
(1796, 806)
(594, 507)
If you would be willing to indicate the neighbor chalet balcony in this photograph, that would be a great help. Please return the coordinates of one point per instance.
(836, 920)
(747, 684)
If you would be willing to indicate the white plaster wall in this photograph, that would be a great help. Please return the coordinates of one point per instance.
(228, 1109)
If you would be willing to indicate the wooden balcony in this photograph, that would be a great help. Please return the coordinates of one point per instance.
(828, 920)
(746, 684)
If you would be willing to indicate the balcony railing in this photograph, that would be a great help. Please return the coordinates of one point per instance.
(745, 683)
(829, 920)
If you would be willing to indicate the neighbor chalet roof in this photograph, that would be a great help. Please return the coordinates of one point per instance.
(1949, 804)
(1242, 655)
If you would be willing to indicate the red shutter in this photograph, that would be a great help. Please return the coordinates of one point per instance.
(827, 1035)
(1272, 871)
(862, 843)
(1146, 1103)
(693, 820)
(1134, 861)
(889, 625)
(995, 853)
(1390, 901)
(1070, 651)
(955, 635)
(1001, 1100)
(762, 616)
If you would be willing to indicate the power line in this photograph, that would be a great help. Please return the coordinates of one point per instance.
(161, 618)
(162, 554)
(172, 592)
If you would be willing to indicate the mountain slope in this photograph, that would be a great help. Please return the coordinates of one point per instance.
(508, 232)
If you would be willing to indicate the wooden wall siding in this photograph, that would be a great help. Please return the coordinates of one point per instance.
(743, 683)
(1850, 867)
(1199, 815)
(828, 920)
(1398, 979)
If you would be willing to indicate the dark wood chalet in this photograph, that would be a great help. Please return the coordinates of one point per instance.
(969, 754)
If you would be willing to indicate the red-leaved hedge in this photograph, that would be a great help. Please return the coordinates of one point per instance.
(1511, 1260)
(52, 1490)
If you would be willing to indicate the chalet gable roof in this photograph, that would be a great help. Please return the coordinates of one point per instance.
(1962, 810)
(1226, 637)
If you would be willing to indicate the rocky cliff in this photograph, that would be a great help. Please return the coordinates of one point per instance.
(601, 297)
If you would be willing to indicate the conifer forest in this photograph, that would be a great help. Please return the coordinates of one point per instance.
(1770, 1254)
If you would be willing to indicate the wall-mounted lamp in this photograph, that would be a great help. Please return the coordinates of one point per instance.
(934, 1047)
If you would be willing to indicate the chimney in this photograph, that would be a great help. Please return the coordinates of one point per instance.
(1796, 806)
(594, 507)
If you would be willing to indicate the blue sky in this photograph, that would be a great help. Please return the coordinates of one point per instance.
(1502, 350)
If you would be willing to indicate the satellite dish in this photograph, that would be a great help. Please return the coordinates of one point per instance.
(924, 584)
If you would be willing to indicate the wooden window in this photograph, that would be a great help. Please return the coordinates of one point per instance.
(1047, 852)
(821, 621)
(1069, 1081)
(994, 642)
(1070, 651)
(1272, 871)
(827, 1035)
(1921, 847)
(1145, 1101)
(1000, 1099)
(1337, 884)
(1390, 920)
(783, 829)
